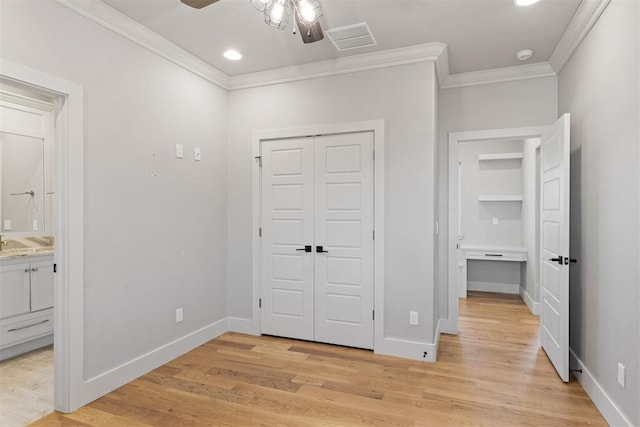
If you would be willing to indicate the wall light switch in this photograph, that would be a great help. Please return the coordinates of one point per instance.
(495, 220)
(179, 315)
(197, 155)
(179, 151)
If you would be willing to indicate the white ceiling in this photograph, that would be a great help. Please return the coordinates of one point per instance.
(481, 34)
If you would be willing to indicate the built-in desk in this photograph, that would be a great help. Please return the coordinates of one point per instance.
(486, 253)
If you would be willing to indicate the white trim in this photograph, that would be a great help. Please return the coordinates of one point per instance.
(503, 288)
(68, 230)
(121, 24)
(409, 349)
(612, 414)
(243, 326)
(500, 75)
(534, 307)
(26, 347)
(110, 380)
(450, 324)
(378, 128)
(583, 20)
(436, 52)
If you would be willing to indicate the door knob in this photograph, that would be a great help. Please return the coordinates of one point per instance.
(320, 250)
(307, 248)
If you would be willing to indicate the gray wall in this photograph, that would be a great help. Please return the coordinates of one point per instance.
(404, 97)
(599, 87)
(520, 103)
(530, 222)
(152, 243)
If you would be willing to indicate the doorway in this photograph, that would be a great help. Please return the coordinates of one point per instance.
(554, 231)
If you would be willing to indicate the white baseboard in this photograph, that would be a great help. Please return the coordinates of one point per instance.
(10, 352)
(503, 288)
(243, 326)
(534, 307)
(108, 381)
(426, 352)
(612, 414)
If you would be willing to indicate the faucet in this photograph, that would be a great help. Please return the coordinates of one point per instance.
(2, 242)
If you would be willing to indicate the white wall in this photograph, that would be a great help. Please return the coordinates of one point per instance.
(155, 227)
(599, 87)
(404, 97)
(521, 103)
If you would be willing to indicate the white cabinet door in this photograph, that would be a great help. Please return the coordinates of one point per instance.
(554, 245)
(41, 285)
(287, 227)
(344, 230)
(14, 289)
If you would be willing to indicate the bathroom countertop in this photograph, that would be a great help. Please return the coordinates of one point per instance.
(27, 246)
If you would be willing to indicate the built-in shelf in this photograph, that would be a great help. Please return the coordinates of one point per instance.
(492, 198)
(500, 156)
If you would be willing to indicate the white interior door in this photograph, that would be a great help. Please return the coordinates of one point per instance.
(344, 239)
(287, 226)
(317, 239)
(554, 245)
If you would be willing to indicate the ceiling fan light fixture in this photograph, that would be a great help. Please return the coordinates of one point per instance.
(309, 11)
(261, 5)
(277, 13)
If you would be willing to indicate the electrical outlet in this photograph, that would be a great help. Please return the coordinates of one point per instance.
(495, 220)
(197, 154)
(179, 315)
(621, 375)
(413, 317)
(179, 151)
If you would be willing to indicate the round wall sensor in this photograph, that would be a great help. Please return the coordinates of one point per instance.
(525, 54)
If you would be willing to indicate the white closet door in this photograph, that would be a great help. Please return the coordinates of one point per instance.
(554, 245)
(287, 226)
(343, 228)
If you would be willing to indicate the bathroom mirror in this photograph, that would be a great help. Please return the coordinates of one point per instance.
(22, 175)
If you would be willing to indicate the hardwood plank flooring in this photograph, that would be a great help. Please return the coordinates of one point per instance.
(492, 373)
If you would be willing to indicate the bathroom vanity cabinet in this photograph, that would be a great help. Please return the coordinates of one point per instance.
(26, 303)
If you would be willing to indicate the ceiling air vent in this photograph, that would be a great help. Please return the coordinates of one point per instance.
(351, 37)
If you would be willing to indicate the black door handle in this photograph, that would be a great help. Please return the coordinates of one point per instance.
(320, 250)
(306, 249)
(558, 260)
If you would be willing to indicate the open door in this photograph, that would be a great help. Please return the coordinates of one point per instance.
(554, 245)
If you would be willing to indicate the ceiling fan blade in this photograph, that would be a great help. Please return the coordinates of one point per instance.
(310, 33)
(198, 4)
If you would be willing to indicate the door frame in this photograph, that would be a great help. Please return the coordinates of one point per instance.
(378, 129)
(70, 388)
(450, 324)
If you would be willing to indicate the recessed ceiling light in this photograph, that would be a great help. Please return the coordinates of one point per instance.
(232, 55)
(525, 2)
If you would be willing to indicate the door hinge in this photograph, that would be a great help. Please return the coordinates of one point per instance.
(260, 232)
(373, 233)
(259, 159)
(374, 155)
(373, 314)
(259, 302)
(55, 268)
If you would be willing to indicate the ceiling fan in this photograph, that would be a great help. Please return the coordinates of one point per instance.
(277, 12)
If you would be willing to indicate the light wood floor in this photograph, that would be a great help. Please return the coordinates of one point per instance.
(26, 387)
(492, 373)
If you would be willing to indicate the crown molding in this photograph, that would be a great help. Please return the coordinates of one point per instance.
(121, 24)
(436, 52)
(500, 75)
(584, 19)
